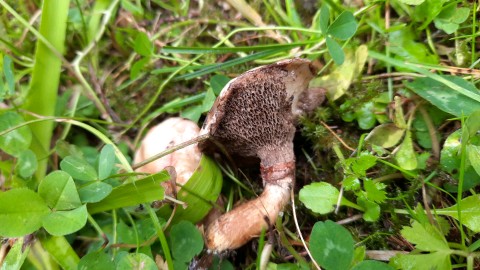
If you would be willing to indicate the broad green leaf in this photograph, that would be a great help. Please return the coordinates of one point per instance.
(319, 197)
(372, 265)
(335, 51)
(17, 254)
(331, 245)
(404, 46)
(474, 157)
(17, 140)
(106, 161)
(405, 155)
(375, 191)
(351, 183)
(344, 26)
(143, 45)
(449, 19)
(59, 191)
(366, 116)
(65, 222)
(446, 98)
(435, 260)
(425, 237)
(21, 212)
(217, 82)
(371, 209)
(449, 156)
(324, 18)
(192, 113)
(470, 208)
(148, 189)
(427, 11)
(26, 163)
(78, 168)
(185, 241)
(200, 192)
(385, 135)
(136, 261)
(138, 67)
(96, 260)
(94, 192)
(339, 80)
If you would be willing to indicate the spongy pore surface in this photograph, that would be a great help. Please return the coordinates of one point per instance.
(257, 113)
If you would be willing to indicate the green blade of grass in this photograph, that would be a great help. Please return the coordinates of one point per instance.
(416, 68)
(144, 190)
(228, 64)
(222, 50)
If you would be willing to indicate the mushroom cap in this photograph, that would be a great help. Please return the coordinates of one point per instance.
(254, 115)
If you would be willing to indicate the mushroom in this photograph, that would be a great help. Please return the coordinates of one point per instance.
(163, 136)
(254, 117)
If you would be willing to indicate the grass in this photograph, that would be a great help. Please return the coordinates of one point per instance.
(392, 156)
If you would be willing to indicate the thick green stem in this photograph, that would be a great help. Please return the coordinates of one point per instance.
(42, 96)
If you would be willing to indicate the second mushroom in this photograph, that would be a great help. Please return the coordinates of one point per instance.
(254, 117)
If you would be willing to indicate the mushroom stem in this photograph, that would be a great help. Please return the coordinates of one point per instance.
(246, 221)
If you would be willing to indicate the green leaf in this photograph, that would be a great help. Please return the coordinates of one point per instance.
(78, 168)
(144, 190)
(427, 11)
(96, 260)
(425, 237)
(26, 164)
(8, 73)
(372, 265)
(446, 98)
(436, 260)
(136, 261)
(21, 212)
(138, 67)
(470, 208)
(94, 192)
(132, 8)
(65, 222)
(143, 45)
(331, 245)
(324, 18)
(17, 140)
(449, 19)
(371, 209)
(185, 241)
(16, 255)
(405, 155)
(218, 82)
(375, 191)
(106, 161)
(474, 157)
(404, 47)
(385, 135)
(361, 164)
(200, 192)
(319, 197)
(208, 101)
(59, 191)
(335, 51)
(344, 26)
(339, 80)
(472, 124)
(366, 116)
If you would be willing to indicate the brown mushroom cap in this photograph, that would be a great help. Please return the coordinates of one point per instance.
(254, 114)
